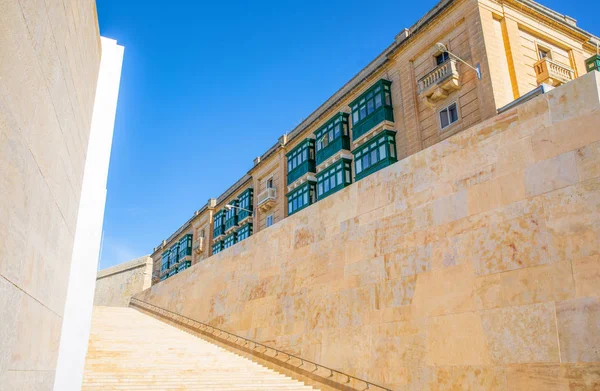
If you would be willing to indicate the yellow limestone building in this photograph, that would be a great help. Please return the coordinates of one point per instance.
(412, 96)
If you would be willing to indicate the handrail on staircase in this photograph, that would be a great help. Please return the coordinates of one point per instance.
(213, 330)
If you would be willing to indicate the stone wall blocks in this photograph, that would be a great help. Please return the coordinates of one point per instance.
(524, 334)
(586, 272)
(578, 322)
(565, 136)
(588, 161)
(575, 99)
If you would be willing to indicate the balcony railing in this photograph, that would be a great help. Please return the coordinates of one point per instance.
(307, 166)
(553, 73)
(267, 198)
(340, 143)
(440, 82)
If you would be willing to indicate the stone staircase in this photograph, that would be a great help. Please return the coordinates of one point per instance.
(132, 351)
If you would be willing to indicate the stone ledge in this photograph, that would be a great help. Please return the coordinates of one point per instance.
(138, 262)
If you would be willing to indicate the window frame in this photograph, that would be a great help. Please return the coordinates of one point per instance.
(301, 197)
(540, 47)
(247, 196)
(445, 58)
(217, 247)
(450, 123)
(244, 232)
(219, 223)
(230, 240)
(267, 225)
(300, 160)
(356, 104)
(363, 154)
(331, 176)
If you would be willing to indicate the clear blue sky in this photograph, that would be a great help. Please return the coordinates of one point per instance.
(209, 85)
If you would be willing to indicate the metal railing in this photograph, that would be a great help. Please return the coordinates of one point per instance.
(286, 357)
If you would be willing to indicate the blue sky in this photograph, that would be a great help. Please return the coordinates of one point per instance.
(208, 86)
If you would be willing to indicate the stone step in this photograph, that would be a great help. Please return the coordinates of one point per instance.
(132, 351)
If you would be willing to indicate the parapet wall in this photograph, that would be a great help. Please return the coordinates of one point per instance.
(115, 285)
(474, 264)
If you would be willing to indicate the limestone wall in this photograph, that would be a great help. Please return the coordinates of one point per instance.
(49, 60)
(474, 264)
(115, 285)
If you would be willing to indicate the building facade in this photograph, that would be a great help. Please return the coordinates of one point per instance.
(457, 66)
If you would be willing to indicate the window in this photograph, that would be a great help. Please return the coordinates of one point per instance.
(441, 58)
(244, 232)
(164, 261)
(219, 224)
(185, 247)
(270, 183)
(334, 178)
(301, 160)
(301, 197)
(371, 108)
(332, 130)
(217, 247)
(375, 154)
(231, 215)
(202, 233)
(246, 204)
(269, 221)
(544, 53)
(371, 100)
(229, 241)
(174, 254)
(448, 116)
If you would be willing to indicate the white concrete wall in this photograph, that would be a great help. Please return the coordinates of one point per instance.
(88, 234)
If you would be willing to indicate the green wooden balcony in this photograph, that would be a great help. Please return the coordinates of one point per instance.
(307, 166)
(231, 223)
(383, 113)
(341, 143)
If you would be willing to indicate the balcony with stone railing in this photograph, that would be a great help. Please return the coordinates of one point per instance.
(440, 82)
(552, 73)
(266, 199)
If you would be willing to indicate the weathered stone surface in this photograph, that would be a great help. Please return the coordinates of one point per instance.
(456, 339)
(116, 285)
(586, 272)
(578, 323)
(522, 334)
(553, 377)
